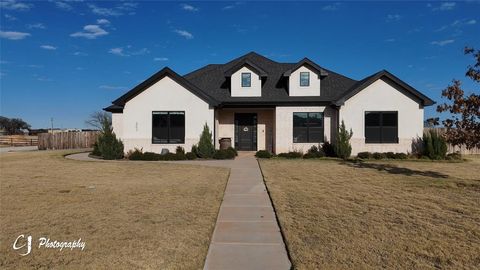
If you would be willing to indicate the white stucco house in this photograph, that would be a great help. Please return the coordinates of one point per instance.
(261, 104)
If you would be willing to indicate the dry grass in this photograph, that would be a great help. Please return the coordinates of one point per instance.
(389, 214)
(132, 215)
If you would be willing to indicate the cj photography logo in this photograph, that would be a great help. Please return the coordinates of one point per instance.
(23, 244)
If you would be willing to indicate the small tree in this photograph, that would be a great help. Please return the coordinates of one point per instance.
(434, 145)
(343, 149)
(96, 119)
(205, 147)
(463, 121)
(107, 143)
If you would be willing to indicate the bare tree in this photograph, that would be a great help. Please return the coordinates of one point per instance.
(97, 119)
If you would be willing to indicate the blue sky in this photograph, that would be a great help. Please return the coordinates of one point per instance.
(66, 59)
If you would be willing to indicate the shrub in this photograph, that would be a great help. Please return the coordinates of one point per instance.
(136, 154)
(191, 156)
(231, 149)
(223, 154)
(390, 155)
(328, 149)
(343, 149)
(151, 156)
(364, 155)
(291, 155)
(180, 153)
(314, 152)
(454, 156)
(263, 154)
(205, 145)
(96, 151)
(378, 155)
(180, 150)
(401, 156)
(434, 145)
(194, 150)
(108, 145)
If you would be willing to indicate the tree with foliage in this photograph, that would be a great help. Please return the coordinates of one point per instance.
(13, 126)
(107, 144)
(97, 118)
(463, 122)
(343, 149)
(434, 145)
(205, 148)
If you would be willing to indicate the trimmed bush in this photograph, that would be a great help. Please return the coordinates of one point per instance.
(434, 145)
(263, 154)
(364, 155)
(191, 156)
(390, 155)
(180, 153)
(454, 156)
(136, 154)
(205, 145)
(231, 149)
(400, 156)
(343, 149)
(194, 150)
(291, 155)
(378, 155)
(314, 152)
(328, 149)
(223, 154)
(96, 151)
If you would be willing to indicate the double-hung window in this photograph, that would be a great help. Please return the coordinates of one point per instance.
(246, 79)
(304, 78)
(308, 127)
(381, 127)
(168, 127)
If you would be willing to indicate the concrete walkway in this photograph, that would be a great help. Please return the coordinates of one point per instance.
(18, 149)
(246, 234)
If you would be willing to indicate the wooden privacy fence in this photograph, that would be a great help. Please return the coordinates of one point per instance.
(19, 140)
(452, 149)
(67, 140)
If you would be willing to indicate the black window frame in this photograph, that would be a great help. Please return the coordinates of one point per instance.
(169, 139)
(382, 129)
(304, 72)
(249, 79)
(308, 128)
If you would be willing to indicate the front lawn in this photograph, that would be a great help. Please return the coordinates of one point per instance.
(131, 215)
(377, 214)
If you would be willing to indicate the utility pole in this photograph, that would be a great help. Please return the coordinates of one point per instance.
(51, 121)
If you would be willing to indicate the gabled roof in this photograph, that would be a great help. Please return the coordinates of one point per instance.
(247, 63)
(306, 62)
(120, 102)
(362, 84)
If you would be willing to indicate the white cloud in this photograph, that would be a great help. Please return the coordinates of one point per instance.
(91, 31)
(393, 17)
(457, 24)
(14, 5)
(103, 21)
(442, 42)
(471, 22)
(232, 6)
(62, 5)
(12, 35)
(443, 6)
(184, 33)
(390, 40)
(80, 54)
(189, 7)
(111, 87)
(117, 51)
(36, 26)
(160, 59)
(10, 17)
(331, 7)
(119, 10)
(48, 47)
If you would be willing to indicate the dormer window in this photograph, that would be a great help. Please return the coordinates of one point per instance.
(304, 78)
(246, 79)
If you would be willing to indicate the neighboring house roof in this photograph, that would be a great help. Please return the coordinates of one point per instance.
(383, 74)
(212, 84)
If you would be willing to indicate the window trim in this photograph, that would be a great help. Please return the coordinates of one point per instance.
(308, 128)
(250, 79)
(381, 141)
(300, 78)
(168, 139)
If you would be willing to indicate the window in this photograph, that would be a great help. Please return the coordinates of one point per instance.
(381, 127)
(168, 127)
(246, 79)
(308, 127)
(304, 78)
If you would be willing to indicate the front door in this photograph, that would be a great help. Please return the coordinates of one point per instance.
(246, 131)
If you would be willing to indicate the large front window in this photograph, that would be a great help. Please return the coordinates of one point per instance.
(381, 127)
(246, 79)
(308, 127)
(168, 127)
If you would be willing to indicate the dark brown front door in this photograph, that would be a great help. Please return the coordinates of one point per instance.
(246, 131)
